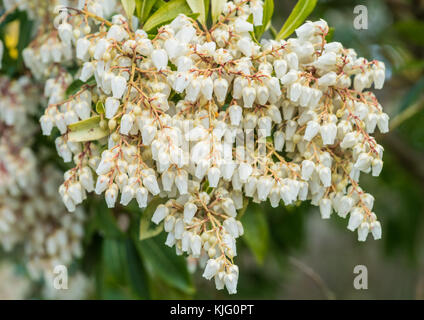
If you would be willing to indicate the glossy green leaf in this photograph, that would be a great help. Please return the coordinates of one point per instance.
(86, 130)
(299, 14)
(256, 231)
(158, 4)
(266, 21)
(123, 274)
(161, 261)
(113, 253)
(85, 124)
(167, 13)
(217, 6)
(147, 228)
(137, 275)
(143, 9)
(129, 7)
(198, 6)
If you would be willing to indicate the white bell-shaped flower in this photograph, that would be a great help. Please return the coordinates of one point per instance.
(127, 122)
(220, 88)
(249, 96)
(211, 269)
(241, 25)
(160, 213)
(111, 107)
(119, 85)
(160, 59)
(111, 195)
(325, 208)
(363, 231)
(312, 129)
(83, 45)
(190, 210)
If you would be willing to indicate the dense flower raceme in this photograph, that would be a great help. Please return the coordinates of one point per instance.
(207, 119)
(31, 214)
(47, 54)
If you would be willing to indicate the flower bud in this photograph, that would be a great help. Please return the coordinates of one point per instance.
(160, 213)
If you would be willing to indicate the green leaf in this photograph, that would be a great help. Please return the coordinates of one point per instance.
(162, 262)
(123, 274)
(113, 253)
(287, 225)
(158, 4)
(167, 13)
(412, 95)
(143, 9)
(252, 33)
(198, 6)
(299, 14)
(129, 7)
(409, 106)
(146, 229)
(77, 84)
(74, 87)
(256, 231)
(25, 33)
(85, 124)
(330, 34)
(137, 275)
(266, 21)
(105, 222)
(217, 8)
(92, 134)
(242, 211)
(86, 130)
(207, 4)
(411, 30)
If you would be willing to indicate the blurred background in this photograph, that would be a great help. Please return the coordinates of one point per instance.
(290, 253)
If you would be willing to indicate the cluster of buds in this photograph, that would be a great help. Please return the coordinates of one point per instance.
(207, 119)
(31, 215)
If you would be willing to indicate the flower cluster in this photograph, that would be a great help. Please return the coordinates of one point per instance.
(30, 213)
(47, 54)
(207, 119)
